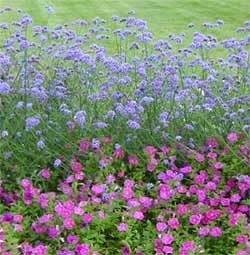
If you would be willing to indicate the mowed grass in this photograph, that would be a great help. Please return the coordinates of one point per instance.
(163, 16)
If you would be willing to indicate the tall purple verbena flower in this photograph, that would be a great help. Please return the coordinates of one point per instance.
(31, 122)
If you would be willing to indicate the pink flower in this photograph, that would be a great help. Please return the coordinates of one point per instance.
(127, 193)
(242, 252)
(87, 217)
(193, 188)
(167, 238)
(164, 149)
(164, 190)
(118, 153)
(40, 250)
(122, 227)
(18, 218)
(212, 142)
(45, 173)
(110, 178)
(128, 183)
(84, 145)
(52, 232)
(233, 220)
(194, 219)
(215, 231)
(217, 165)
(45, 218)
(188, 244)
(120, 174)
(151, 150)
(98, 189)
(132, 160)
(181, 189)
(235, 198)
(173, 223)
(68, 223)
(25, 183)
(182, 209)
(232, 137)
(78, 210)
(186, 169)
(82, 249)
(199, 157)
(213, 214)
(69, 204)
(203, 231)
(18, 227)
(210, 186)
(125, 250)
(167, 249)
(225, 201)
(76, 167)
(101, 215)
(138, 215)
(72, 239)
(199, 179)
(106, 139)
(150, 168)
(212, 155)
(160, 226)
(241, 238)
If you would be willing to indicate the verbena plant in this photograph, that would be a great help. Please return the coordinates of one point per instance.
(140, 90)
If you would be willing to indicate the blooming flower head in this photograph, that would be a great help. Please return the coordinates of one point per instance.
(167, 249)
(122, 227)
(98, 189)
(31, 122)
(186, 246)
(138, 215)
(118, 153)
(215, 231)
(127, 193)
(45, 173)
(76, 166)
(151, 150)
(80, 117)
(5, 133)
(182, 209)
(161, 226)
(194, 219)
(199, 157)
(173, 223)
(241, 238)
(213, 214)
(132, 160)
(72, 239)
(232, 137)
(87, 217)
(203, 231)
(40, 250)
(82, 249)
(57, 162)
(125, 250)
(68, 223)
(167, 238)
(212, 142)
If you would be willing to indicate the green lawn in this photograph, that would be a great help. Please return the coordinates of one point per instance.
(163, 16)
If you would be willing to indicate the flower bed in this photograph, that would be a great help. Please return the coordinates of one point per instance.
(174, 200)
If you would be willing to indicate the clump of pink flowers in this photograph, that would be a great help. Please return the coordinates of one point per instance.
(86, 212)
